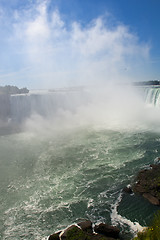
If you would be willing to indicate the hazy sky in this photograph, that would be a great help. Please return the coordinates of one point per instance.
(58, 43)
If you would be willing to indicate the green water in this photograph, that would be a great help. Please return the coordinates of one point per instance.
(48, 181)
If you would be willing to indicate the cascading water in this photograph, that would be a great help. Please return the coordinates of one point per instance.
(44, 103)
(152, 96)
(72, 160)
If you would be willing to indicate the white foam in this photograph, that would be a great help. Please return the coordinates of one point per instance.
(117, 219)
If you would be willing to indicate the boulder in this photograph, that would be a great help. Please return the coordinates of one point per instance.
(107, 230)
(128, 190)
(84, 231)
(148, 184)
(73, 233)
(151, 198)
(54, 236)
(86, 226)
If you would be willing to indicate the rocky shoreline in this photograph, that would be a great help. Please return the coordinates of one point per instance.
(148, 184)
(85, 231)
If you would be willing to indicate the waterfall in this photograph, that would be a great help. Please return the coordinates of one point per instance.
(48, 104)
(152, 96)
(45, 104)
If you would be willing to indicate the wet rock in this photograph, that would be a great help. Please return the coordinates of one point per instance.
(98, 237)
(128, 189)
(54, 236)
(86, 226)
(148, 184)
(107, 230)
(73, 233)
(139, 188)
(84, 231)
(151, 199)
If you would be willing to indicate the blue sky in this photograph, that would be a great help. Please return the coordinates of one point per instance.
(59, 43)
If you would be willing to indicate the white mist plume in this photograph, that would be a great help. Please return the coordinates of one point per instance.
(48, 52)
(114, 108)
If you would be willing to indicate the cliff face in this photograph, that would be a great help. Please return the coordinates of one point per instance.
(5, 109)
(5, 106)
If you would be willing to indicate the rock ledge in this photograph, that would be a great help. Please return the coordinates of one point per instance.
(84, 231)
(148, 184)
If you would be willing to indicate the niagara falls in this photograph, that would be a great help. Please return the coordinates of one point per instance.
(75, 153)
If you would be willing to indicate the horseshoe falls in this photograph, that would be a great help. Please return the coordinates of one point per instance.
(152, 96)
(75, 153)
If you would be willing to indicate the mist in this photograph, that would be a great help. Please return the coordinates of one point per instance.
(116, 108)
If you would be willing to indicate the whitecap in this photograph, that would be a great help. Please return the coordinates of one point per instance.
(117, 219)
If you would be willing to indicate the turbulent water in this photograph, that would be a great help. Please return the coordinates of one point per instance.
(74, 166)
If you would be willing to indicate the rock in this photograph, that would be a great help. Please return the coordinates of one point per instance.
(107, 230)
(73, 233)
(148, 184)
(98, 237)
(86, 226)
(54, 236)
(151, 199)
(128, 190)
(139, 188)
(84, 232)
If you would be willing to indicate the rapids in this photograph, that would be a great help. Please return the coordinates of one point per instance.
(72, 162)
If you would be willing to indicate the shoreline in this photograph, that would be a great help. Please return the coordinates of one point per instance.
(147, 184)
(85, 231)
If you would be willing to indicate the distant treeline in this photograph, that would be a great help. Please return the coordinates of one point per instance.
(147, 83)
(12, 90)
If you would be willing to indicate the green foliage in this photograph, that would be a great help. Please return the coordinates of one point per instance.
(152, 232)
(76, 234)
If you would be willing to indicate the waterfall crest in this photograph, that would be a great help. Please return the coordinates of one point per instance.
(152, 96)
(116, 105)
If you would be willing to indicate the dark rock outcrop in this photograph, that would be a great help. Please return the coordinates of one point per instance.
(127, 189)
(73, 231)
(148, 184)
(86, 226)
(55, 236)
(84, 231)
(107, 230)
(151, 199)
